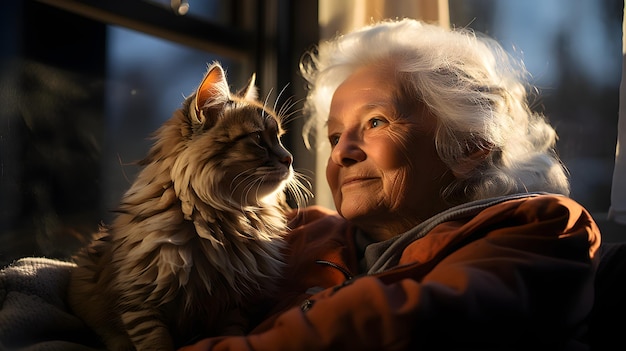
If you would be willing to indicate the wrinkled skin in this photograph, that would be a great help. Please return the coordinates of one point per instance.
(384, 172)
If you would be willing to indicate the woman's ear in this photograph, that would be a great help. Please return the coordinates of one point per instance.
(467, 164)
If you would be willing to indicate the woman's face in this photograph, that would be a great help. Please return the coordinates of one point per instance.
(383, 171)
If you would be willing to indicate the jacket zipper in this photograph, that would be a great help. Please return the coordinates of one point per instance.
(344, 271)
(307, 304)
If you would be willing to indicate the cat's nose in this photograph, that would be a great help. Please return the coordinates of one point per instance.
(287, 159)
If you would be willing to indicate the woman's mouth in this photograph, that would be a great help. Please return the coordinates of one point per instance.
(356, 180)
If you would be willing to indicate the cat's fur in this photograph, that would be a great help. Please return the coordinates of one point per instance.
(199, 233)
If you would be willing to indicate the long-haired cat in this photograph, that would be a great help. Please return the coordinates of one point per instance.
(200, 231)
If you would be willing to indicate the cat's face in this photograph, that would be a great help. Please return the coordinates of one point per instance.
(230, 147)
(256, 163)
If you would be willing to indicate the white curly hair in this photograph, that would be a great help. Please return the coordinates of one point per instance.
(477, 91)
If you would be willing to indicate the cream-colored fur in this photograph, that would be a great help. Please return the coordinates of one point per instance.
(199, 233)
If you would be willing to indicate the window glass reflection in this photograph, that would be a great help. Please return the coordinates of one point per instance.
(215, 11)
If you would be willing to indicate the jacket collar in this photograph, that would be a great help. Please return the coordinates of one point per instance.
(380, 256)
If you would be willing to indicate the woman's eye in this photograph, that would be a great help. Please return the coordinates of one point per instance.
(376, 122)
(333, 139)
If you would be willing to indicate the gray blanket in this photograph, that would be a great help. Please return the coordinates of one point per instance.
(33, 312)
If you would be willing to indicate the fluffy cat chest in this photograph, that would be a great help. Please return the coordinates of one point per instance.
(201, 265)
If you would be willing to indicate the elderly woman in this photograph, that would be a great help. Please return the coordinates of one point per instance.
(453, 227)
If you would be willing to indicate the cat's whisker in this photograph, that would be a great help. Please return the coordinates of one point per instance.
(248, 189)
(299, 187)
(292, 116)
(254, 186)
(289, 103)
(242, 181)
(267, 97)
(238, 178)
(279, 95)
(287, 113)
(286, 110)
(258, 188)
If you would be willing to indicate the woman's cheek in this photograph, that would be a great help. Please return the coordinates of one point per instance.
(331, 175)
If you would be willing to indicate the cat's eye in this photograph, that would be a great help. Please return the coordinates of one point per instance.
(256, 136)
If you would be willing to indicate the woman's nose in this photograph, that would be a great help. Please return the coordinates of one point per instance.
(347, 151)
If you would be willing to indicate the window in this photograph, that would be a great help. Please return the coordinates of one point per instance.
(81, 99)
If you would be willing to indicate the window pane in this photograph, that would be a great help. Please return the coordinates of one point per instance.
(75, 120)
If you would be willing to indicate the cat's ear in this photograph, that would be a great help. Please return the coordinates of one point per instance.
(213, 91)
(251, 92)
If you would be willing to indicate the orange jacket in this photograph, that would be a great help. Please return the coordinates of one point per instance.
(512, 274)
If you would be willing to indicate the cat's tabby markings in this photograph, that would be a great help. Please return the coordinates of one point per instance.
(199, 234)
